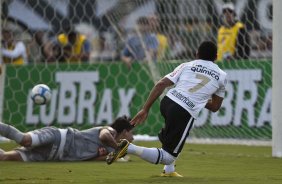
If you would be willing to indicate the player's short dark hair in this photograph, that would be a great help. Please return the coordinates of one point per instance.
(207, 51)
(122, 123)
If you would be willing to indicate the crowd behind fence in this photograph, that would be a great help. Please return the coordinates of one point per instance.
(105, 38)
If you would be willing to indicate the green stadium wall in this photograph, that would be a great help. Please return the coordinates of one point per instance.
(86, 95)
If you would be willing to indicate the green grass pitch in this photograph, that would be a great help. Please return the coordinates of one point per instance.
(199, 164)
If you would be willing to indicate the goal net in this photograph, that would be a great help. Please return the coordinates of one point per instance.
(93, 91)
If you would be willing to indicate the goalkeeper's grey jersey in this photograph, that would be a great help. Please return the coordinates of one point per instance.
(63, 145)
(82, 145)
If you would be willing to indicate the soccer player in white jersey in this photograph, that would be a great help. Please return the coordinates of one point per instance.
(54, 144)
(199, 83)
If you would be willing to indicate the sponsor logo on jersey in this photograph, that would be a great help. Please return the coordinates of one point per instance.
(183, 98)
(205, 70)
(176, 70)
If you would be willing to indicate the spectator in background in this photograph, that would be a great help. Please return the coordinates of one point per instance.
(72, 46)
(187, 34)
(177, 47)
(39, 50)
(105, 47)
(143, 46)
(232, 39)
(13, 52)
(162, 39)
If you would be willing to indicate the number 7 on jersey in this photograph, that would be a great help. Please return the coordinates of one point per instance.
(204, 80)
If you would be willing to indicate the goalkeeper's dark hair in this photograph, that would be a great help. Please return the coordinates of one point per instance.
(122, 123)
(207, 51)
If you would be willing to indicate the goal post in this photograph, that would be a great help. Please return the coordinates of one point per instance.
(1, 68)
(276, 80)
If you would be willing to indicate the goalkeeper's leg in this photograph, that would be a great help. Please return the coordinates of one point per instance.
(12, 133)
(31, 139)
(10, 156)
(19, 137)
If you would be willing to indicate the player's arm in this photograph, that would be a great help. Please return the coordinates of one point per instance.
(154, 94)
(107, 137)
(214, 103)
(127, 60)
(157, 90)
(102, 154)
(127, 57)
(18, 51)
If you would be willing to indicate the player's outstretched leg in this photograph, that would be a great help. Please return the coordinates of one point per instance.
(118, 153)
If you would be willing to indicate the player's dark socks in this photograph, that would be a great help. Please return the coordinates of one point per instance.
(11, 132)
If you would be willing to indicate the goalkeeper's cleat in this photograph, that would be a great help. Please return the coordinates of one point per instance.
(172, 174)
(120, 152)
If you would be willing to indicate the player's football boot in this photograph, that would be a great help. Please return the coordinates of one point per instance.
(172, 174)
(118, 153)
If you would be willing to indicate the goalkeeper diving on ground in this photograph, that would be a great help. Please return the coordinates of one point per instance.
(69, 144)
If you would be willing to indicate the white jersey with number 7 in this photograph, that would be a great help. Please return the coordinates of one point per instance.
(195, 83)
